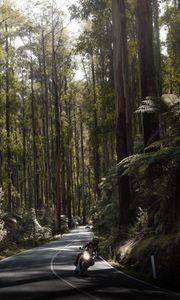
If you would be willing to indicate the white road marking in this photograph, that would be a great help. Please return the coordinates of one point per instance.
(155, 287)
(67, 282)
(128, 276)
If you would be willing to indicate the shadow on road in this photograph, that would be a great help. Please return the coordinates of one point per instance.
(47, 273)
(104, 284)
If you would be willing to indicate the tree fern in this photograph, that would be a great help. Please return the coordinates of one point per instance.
(149, 105)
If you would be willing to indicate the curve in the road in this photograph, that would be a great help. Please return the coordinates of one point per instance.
(64, 280)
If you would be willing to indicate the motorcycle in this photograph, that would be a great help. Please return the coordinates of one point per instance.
(84, 260)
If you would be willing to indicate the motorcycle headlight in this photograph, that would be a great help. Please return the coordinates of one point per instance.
(86, 255)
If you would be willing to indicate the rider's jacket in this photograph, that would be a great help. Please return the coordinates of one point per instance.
(92, 247)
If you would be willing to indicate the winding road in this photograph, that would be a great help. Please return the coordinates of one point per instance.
(47, 273)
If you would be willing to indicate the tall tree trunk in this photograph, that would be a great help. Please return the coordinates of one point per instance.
(96, 144)
(52, 151)
(76, 137)
(89, 189)
(35, 166)
(83, 169)
(63, 179)
(30, 179)
(120, 74)
(74, 187)
(157, 49)
(43, 182)
(69, 195)
(57, 133)
(46, 108)
(105, 162)
(8, 123)
(24, 179)
(68, 159)
(147, 68)
(133, 89)
(125, 76)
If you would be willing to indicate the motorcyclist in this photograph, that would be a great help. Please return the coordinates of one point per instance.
(94, 245)
(93, 249)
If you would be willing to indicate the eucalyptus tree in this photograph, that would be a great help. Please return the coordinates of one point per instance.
(55, 65)
(171, 19)
(157, 46)
(44, 80)
(44, 98)
(10, 25)
(171, 59)
(53, 68)
(123, 140)
(8, 120)
(147, 68)
(95, 47)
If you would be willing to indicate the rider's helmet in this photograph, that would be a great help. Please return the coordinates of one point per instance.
(95, 241)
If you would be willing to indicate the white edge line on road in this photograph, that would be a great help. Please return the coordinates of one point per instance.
(141, 281)
(127, 275)
(67, 282)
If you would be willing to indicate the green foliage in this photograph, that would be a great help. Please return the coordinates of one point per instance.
(162, 152)
(64, 223)
(24, 67)
(24, 227)
(165, 249)
(141, 223)
(141, 163)
(171, 61)
(151, 174)
(104, 214)
(148, 105)
(3, 231)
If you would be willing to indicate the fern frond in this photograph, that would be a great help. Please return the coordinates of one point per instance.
(132, 164)
(154, 146)
(139, 163)
(149, 105)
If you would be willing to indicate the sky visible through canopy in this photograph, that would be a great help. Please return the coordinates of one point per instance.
(73, 26)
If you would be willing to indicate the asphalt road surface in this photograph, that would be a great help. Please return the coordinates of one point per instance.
(47, 273)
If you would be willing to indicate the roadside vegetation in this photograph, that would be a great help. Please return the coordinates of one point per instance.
(23, 231)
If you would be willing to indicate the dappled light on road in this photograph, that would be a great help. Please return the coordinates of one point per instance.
(47, 272)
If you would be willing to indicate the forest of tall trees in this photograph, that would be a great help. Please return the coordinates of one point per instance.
(57, 136)
(103, 148)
